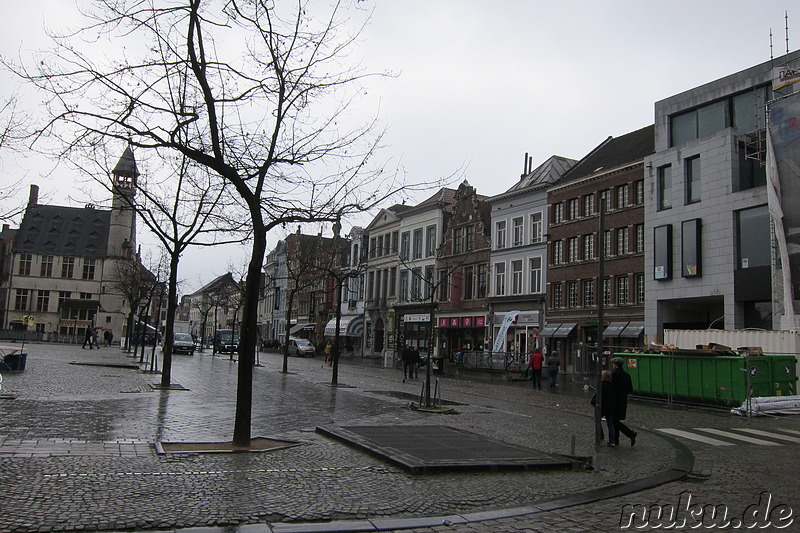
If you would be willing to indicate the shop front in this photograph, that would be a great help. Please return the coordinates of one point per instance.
(461, 333)
(351, 334)
(415, 331)
(522, 335)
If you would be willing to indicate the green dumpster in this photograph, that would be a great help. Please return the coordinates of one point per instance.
(711, 379)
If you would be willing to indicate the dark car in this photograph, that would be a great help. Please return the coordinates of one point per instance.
(226, 341)
(183, 343)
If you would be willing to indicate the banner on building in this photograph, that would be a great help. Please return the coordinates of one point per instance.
(784, 76)
(783, 194)
(500, 340)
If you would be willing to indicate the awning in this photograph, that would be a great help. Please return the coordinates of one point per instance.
(565, 329)
(633, 330)
(614, 329)
(349, 326)
(549, 330)
(299, 327)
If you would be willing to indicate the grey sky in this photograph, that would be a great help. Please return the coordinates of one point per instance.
(481, 83)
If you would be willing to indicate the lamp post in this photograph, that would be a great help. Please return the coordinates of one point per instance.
(601, 266)
(337, 227)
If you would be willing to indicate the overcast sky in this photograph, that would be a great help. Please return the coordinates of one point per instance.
(481, 83)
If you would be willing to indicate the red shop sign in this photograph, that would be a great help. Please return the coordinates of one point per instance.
(480, 321)
(443, 322)
(467, 321)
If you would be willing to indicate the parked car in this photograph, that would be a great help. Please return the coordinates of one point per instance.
(301, 347)
(183, 343)
(226, 341)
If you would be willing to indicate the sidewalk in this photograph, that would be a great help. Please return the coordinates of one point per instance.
(77, 448)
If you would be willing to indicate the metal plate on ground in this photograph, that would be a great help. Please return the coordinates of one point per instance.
(422, 449)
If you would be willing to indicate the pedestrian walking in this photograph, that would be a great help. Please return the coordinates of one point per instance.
(415, 362)
(329, 353)
(535, 366)
(621, 387)
(405, 357)
(87, 339)
(110, 337)
(553, 362)
(607, 408)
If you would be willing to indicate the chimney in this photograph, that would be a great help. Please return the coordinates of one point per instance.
(33, 199)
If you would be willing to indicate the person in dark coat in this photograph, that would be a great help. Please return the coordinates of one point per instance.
(416, 359)
(607, 408)
(621, 387)
(88, 338)
(553, 362)
(406, 358)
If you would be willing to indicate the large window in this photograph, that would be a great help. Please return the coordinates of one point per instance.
(572, 249)
(662, 252)
(700, 122)
(21, 300)
(444, 286)
(752, 173)
(430, 241)
(690, 249)
(536, 227)
(572, 208)
(588, 247)
(516, 277)
(638, 192)
(664, 187)
(469, 282)
(572, 294)
(558, 213)
(640, 288)
(608, 244)
(88, 268)
(482, 280)
(622, 241)
(405, 245)
(558, 252)
(458, 241)
(42, 301)
(558, 295)
(25, 262)
(588, 292)
(622, 290)
(417, 243)
(416, 284)
(430, 281)
(500, 235)
(470, 237)
(692, 167)
(517, 225)
(622, 196)
(499, 279)
(403, 295)
(639, 238)
(535, 267)
(47, 266)
(752, 237)
(588, 205)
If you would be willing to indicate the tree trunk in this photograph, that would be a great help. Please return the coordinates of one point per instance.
(172, 295)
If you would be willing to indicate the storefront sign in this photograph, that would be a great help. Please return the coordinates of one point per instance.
(423, 317)
(500, 341)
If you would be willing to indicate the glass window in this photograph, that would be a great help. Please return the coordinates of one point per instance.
(516, 276)
(403, 295)
(558, 213)
(640, 288)
(749, 110)
(373, 248)
(572, 206)
(692, 167)
(457, 241)
(429, 282)
(499, 279)
(25, 262)
(469, 282)
(664, 187)
(379, 246)
(572, 249)
(405, 245)
(482, 279)
(712, 118)
(444, 286)
(588, 292)
(622, 290)
(753, 237)
(608, 244)
(605, 199)
(416, 284)
(622, 196)
(607, 291)
(42, 301)
(417, 243)
(430, 241)
(638, 191)
(662, 252)
(558, 295)
(517, 225)
(690, 248)
(21, 300)
(63, 296)
(392, 281)
(622, 241)
(535, 267)
(500, 234)
(752, 173)
(88, 268)
(536, 227)
(558, 252)
(639, 238)
(470, 237)
(588, 205)
(572, 294)
(588, 247)
(47, 266)
(394, 242)
(683, 128)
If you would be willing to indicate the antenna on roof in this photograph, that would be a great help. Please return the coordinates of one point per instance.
(786, 20)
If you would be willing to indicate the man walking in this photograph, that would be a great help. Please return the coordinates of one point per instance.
(535, 364)
(621, 387)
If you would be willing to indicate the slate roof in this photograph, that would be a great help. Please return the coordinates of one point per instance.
(614, 152)
(548, 172)
(57, 230)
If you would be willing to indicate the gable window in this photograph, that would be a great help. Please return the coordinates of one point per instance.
(664, 187)
(536, 227)
(470, 237)
(500, 235)
(25, 262)
(457, 241)
(517, 228)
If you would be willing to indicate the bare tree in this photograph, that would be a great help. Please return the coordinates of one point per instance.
(12, 131)
(266, 112)
(132, 280)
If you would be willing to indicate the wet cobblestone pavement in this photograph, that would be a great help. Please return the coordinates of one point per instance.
(77, 449)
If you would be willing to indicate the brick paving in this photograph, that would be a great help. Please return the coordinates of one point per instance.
(77, 452)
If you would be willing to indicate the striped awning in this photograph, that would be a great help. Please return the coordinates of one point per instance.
(349, 326)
